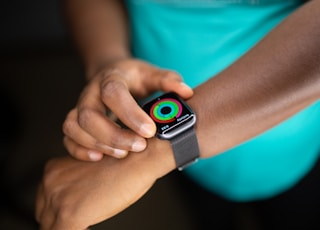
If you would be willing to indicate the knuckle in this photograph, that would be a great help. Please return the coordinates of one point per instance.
(69, 122)
(64, 210)
(68, 126)
(61, 202)
(49, 182)
(111, 88)
(117, 139)
(84, 117)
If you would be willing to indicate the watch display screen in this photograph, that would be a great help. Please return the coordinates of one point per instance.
(171, 115)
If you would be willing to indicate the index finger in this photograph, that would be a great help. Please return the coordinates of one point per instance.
(117, 97)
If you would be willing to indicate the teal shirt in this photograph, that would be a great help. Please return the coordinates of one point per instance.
(198, 39)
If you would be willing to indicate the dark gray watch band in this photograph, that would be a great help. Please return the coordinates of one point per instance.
(185, 148)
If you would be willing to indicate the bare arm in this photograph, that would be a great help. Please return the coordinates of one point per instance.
(276, 79)
(100, 30)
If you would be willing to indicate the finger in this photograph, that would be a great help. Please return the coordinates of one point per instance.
(169, 81)
(116, 95)
(73, 131)
(83, 146)
(81, 153)
(110, 136)
(89, 148)
(92, 119)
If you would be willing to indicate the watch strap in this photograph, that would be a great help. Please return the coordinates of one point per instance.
(185, 148)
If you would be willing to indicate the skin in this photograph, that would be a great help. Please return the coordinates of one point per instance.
(90, 134)
(273, 81)
(115, 80)
(72, 201)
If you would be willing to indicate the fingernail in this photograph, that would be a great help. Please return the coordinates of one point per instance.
(147, 130)
(94, 156)
(139, 145)
(185, 85)
(120, 153)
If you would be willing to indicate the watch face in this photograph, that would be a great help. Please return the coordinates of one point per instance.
(171, 115)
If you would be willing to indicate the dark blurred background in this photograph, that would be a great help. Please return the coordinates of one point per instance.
(41, 77)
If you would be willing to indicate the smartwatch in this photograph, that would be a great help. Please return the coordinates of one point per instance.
(175, 122)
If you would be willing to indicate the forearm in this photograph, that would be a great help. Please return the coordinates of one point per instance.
(100, 30)
(276, 79)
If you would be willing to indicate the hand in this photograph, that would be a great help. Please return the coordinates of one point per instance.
(77, 194)
(89, 133)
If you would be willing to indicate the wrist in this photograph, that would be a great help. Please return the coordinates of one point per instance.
(97, 64)
(159, 157)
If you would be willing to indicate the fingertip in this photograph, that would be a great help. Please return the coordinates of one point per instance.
(94, 156)
(120, 153)
(147, 130)
(187, 90)
(139, 145)
(185, 86)
(173, 82)
(81, 153)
